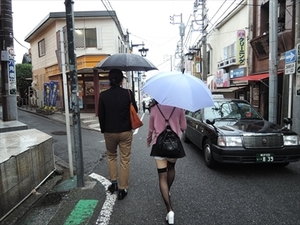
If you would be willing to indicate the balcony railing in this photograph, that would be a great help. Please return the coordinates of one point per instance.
(227, 62)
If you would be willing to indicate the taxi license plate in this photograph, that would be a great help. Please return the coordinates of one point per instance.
(264, 157)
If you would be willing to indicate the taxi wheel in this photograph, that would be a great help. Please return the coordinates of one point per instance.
(208, 156)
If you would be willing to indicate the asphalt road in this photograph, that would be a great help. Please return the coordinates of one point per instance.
(230, 194)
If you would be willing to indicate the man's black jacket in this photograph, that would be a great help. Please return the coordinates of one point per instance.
(113, 109)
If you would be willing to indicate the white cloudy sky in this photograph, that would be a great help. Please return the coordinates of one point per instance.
(147, 21)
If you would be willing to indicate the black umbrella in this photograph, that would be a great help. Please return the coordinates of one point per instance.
(126, 62)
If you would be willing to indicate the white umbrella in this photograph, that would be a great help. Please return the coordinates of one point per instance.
(180, 90)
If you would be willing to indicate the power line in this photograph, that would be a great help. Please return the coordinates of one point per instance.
(20, 44)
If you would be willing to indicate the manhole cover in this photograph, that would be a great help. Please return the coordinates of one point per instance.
(52, 198)
(59, 132)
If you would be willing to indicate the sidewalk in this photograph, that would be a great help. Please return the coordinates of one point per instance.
(55, 201)
(88, 120)
(59, 201)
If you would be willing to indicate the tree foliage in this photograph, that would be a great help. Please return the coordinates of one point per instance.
(23, 75)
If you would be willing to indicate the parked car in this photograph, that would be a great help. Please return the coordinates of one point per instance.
(234, 132)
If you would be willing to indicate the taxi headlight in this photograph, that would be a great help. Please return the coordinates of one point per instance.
(291, 140)
(227, 141)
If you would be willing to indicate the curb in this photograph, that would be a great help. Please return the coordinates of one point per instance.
(59, 117)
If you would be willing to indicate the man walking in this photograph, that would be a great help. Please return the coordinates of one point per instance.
(114, 119)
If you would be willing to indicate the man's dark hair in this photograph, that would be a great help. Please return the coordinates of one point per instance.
(115, 77)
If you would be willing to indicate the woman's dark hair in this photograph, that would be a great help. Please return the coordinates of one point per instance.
(115, 77)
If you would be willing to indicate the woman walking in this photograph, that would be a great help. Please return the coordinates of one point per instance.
(165, 166)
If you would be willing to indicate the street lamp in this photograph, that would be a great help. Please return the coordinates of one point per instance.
(143, 52)
(192, 52)
(190, 55)
(135, 45)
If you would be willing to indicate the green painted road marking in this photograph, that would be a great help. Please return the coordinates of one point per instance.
(83, 210)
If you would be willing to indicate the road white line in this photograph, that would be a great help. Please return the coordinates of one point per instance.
(107, 208)
(137, 130)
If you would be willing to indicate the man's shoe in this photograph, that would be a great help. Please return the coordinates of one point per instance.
(112, 188)
(122, 194)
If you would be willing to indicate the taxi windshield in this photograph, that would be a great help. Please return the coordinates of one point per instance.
(231, 110)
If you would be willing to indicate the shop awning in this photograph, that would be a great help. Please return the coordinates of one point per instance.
(252, 77)
(227, 90)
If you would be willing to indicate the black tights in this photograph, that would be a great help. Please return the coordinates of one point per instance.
(166, 177)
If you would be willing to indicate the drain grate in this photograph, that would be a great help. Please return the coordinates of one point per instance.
(53, 198)
(59, 132)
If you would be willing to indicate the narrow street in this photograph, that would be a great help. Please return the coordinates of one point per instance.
(230, 194)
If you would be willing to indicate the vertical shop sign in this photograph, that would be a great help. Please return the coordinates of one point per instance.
(12, 76)
(50, 93)
(298, 70)
(241, 47)
(53, 92)
(46, 94)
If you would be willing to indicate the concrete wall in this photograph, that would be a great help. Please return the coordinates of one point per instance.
(27, 158)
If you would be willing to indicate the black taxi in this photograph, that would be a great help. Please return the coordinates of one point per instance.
(232, 131)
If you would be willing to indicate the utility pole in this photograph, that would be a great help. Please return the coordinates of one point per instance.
(204, 34)
(203, 24)
(74, 93)
(296, 95)
(132, 74)
(8, 69)
(273, 64)
(168, 58)
(181, 33)
(143, 52)
(62, 54)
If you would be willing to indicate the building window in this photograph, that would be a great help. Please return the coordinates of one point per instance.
(85, 38)
(42, 48)
(90, 38)
(229, 51)
(265, 17)
(121, 46)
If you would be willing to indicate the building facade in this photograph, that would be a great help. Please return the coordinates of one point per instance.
(238, 54)
(261, 51)
(97, 35)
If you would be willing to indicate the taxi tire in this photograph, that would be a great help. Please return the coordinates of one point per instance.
(208, 156)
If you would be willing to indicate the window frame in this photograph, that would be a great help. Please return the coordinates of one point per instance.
(42, 47)
(82, 42)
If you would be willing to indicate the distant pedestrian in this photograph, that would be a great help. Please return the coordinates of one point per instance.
(114, 119)
(165, 166)
(144, 106)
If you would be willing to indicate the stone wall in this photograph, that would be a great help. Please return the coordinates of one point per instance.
(26, 159)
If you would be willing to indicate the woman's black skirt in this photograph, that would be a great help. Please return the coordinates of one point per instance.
(156, 151)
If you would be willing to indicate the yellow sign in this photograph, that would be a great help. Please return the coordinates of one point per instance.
(241, 47)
